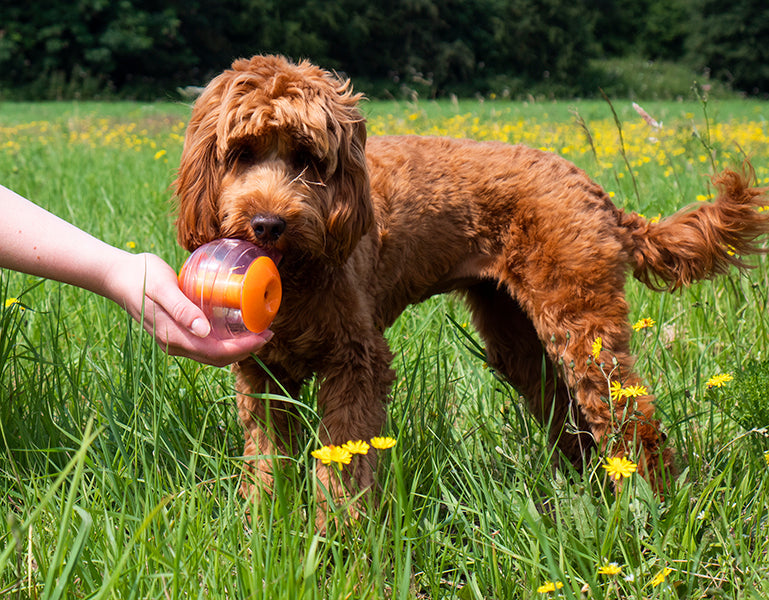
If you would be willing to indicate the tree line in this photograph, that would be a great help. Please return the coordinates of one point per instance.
(146, 48)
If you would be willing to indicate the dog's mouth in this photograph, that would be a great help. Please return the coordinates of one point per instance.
(272, 253)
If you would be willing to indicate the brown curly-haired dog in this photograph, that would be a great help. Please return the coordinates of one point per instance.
(276, 153)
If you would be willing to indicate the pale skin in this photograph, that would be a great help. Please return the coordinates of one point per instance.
(37, 242)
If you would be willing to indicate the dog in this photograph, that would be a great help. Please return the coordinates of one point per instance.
(276, 153)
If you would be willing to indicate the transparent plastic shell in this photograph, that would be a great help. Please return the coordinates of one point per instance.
(235, 284)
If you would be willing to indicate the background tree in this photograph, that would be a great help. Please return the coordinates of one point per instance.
(146, 48)
(732, 41)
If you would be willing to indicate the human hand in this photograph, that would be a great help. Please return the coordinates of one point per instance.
(145, 281)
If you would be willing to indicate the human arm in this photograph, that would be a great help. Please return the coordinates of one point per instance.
(36, 242)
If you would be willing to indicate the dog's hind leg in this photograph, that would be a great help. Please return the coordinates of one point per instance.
(586, 332)
(270, 424)
(514, 350)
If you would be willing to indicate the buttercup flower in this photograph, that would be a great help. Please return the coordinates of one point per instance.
(643, 324)
(597, 347)
(719, 380)
(357, 447)
(335, 454)
(619, 467)
(610, 569)
(382, 443)
(661, 576)
(549, 586)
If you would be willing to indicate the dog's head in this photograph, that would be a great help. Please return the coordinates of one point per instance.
(275, 154)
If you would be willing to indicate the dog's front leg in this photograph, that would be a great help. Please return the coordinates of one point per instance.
(270, 425)
(355, 383)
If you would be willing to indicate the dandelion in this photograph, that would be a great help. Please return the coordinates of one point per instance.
(357, 447)
(160, 154)
(610, 569)
(597, 347)
(634, 391)
(644, 323)
(661, 576)
(619, 467)
(549, 586)
(333, 454)
(719, 380)
(617, 392)
(131, 245)
(382, 443)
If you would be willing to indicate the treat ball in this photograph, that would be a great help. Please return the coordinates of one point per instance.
(235, 284)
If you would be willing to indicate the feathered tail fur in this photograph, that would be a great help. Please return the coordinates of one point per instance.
(702, 242)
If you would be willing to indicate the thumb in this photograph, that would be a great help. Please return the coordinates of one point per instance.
(183, 311)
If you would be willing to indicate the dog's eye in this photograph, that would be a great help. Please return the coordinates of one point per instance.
(244, 154)
(304, 159)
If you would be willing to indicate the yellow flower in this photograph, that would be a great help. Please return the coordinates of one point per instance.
(597, 347)
(633, 391)
(661, 576)
(357, 447)
(643, 324)
(382, 443)
(549, 586)
(331, 453)
(11, 302)
(131, 245)
(618, 392)
(719, 380)
(610, 569)
(160, 154)
(618, 467)
(766, 457)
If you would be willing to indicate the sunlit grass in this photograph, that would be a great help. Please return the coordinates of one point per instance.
(121, 466)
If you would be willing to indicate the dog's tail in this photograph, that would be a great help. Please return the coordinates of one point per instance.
(702, 242)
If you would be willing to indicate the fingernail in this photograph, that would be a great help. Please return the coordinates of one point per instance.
(200, 328)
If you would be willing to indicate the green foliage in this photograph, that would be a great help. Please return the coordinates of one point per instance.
(638, 78)
(731, 40)
(746, 400)
(395, 48)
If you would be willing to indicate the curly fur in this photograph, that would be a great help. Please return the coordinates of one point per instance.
(537, 249)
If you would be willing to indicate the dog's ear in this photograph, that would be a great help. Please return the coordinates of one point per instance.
(198, 178)
(350, 213)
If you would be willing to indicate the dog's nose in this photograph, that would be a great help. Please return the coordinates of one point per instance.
(268, 228)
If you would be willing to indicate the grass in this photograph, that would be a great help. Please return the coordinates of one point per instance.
(121, 469)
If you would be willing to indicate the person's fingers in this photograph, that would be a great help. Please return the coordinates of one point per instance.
(212, 350)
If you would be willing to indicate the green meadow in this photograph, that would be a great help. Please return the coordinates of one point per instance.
(121, 466)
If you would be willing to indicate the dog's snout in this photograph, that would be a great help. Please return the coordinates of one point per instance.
(268, 228)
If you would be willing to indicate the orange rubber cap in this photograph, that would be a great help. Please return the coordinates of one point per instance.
(261, 294)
